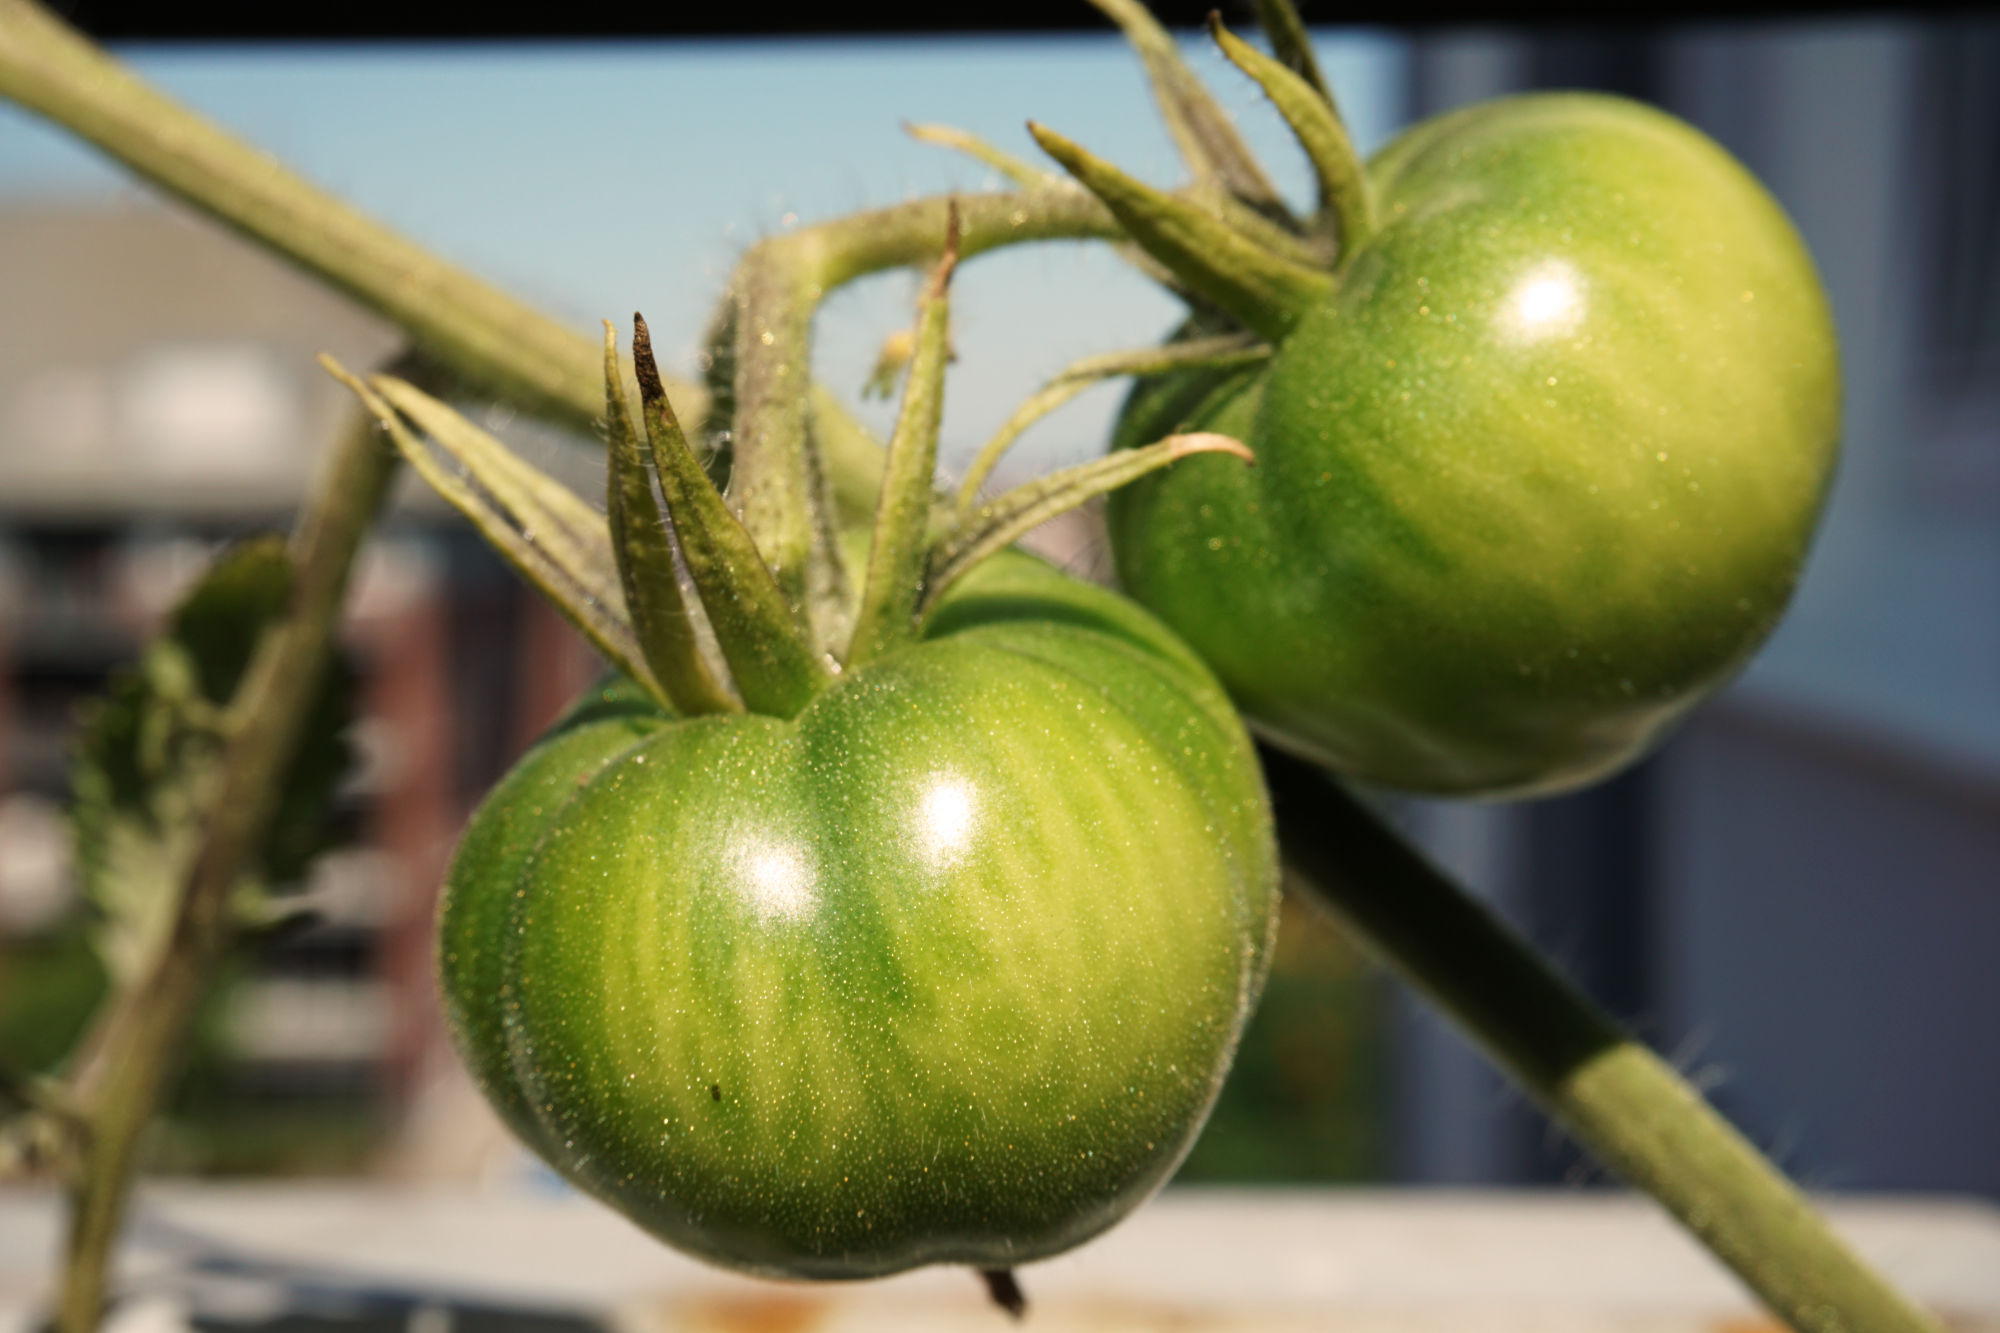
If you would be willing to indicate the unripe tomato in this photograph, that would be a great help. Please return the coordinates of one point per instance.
(948, 968)
(1534, 479)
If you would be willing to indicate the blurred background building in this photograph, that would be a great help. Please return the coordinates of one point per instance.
(1799, 896)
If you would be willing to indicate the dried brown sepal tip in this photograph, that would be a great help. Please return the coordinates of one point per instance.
(769, 650)
(1208, 442)
(1005, 1289)
(948, 261)
(652, 390)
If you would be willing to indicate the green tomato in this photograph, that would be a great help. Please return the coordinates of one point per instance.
(948, 968)
(1533, 480)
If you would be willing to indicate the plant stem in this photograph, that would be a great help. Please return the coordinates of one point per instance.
(779, 286)
(1619, 1099)
(497, 342)
(139, 1040)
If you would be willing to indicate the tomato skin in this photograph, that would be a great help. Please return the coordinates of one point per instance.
(1537, 477)
(946, 969)
(473, 914)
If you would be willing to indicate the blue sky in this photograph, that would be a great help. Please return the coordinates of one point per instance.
(600, 178)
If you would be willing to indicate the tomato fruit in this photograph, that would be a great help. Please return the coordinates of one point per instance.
(1534, 478)
(946, 968)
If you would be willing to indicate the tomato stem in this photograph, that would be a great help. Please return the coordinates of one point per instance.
(776, 291)
(1005, 1290)
(134, 1046)
(1619, 1099)
(1260, 287)
(1315, 121)
(498, 342)
(889, 599)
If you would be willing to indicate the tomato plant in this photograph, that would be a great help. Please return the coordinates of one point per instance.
(1541, 452)
(617, 928)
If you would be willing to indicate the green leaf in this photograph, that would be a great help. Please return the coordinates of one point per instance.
(149, 759)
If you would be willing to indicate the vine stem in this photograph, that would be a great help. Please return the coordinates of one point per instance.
(137, 1043)
(496, 341)
(1618, 1098)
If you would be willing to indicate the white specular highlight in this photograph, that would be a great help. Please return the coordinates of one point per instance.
(1548, 301)
(946, 814)
(777, 880)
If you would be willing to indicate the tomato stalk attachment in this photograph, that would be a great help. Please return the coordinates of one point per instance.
(1018, 170)
(1290, 43)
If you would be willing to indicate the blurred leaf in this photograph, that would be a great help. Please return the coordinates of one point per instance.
(1308, 1096)
(150, 758)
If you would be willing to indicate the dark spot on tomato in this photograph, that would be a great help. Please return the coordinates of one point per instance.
(715, 1092)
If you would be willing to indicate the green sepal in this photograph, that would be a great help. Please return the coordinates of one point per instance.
(896, 555)
(1262, 289)
(767, 646)
(1021, 172)
(644, 550)
(1315, 122)
(854, 457)
(1290, 43)
(1201, 130)
(149, 760)
(539, 526)
(1223, 352)
(1009, 517)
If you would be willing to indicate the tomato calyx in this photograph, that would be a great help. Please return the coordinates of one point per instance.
(1240, 251)
(743, 641)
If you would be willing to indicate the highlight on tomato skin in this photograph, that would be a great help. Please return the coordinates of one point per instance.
(949, 968)
(1535, 478)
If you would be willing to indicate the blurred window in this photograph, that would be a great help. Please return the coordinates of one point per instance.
(209, 408)
(1960, 127)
